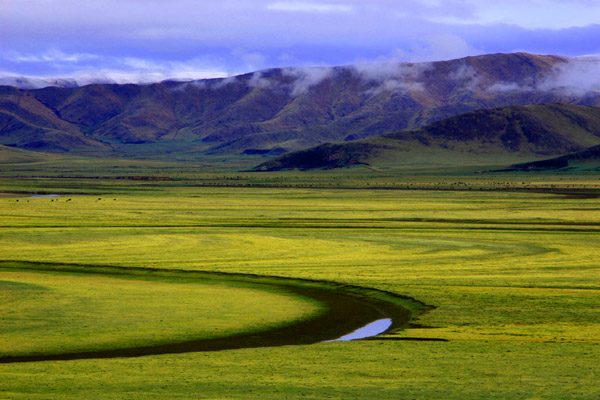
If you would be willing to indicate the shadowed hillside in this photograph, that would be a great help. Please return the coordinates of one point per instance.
(587, 157)
(11, 155)
(274, 111)
(483, 137)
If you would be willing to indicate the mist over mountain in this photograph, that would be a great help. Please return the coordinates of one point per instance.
(23, 82)
(280, 110)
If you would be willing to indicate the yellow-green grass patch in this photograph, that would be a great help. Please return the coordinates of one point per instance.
(515, 278)
(52, 313)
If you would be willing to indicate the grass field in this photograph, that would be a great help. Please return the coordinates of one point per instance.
(53, 313)
(513, 273)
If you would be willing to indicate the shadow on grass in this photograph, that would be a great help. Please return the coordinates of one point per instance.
(345, 308)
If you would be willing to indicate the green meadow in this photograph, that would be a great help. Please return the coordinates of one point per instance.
(509, 264)
(94, 312)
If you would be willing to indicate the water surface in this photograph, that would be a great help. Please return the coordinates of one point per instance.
(372, 329)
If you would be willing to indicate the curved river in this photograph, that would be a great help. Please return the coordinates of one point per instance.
(346, 310)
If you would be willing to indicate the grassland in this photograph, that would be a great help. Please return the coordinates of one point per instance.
(509, 261)
(52, 313)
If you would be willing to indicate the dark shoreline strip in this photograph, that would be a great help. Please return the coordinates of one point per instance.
(347, 308)
(407, 339)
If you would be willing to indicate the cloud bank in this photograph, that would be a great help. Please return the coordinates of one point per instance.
(177, 37)
(578, 76)
(138, 40)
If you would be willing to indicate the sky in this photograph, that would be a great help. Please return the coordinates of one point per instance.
(152, 40)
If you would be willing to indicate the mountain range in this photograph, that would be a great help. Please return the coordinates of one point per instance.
(278, 111)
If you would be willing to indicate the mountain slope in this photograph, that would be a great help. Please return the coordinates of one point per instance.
(11, 155)
(276, 110)
(489, 136)
(26, 122)
(587, 157)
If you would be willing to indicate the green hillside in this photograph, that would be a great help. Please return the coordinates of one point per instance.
(9, 155)
(586, 159)
(484, 137)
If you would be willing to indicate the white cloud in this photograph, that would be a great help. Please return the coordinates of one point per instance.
(390, 75)
(85, 77)
(253, 60)
(287, 58)
(92, 68)
(505, 87)
(578, 76)
(307, 77)
(311, 7)
(138, 70)
(386, 69)
(443, 46)
(51, 55)
(274, 33)
(157, 33)
(538, 14)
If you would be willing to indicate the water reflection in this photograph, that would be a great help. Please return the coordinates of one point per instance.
(372, 329)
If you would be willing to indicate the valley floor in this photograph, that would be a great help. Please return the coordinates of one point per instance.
(509, 262)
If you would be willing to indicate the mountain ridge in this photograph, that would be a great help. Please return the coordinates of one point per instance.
(275, 110)
(480, 137)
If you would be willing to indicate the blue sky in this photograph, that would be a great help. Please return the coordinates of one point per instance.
(147, 40)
